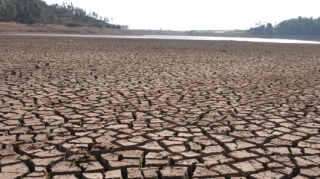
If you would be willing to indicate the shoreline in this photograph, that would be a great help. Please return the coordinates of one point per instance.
(17, 28)
(178, 37)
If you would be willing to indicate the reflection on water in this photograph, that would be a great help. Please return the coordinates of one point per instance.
(168, 37)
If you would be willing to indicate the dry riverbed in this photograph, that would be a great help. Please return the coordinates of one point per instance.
(126, 108)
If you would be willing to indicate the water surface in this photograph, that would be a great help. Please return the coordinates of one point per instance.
(169, 37)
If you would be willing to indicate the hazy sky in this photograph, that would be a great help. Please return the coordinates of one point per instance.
(199, 14)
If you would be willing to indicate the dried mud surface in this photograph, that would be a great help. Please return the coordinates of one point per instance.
(128, 108)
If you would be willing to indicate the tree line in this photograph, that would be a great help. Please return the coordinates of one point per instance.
(37, 11)
(298, 26)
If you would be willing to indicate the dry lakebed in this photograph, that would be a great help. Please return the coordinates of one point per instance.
(94, 108)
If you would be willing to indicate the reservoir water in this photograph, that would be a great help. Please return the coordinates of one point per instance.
(168, 37)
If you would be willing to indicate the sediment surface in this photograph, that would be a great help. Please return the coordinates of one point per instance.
(128, 108)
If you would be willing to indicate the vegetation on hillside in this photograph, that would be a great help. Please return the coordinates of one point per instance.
(299, 26)
(37, 11)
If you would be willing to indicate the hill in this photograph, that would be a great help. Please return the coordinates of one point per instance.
(299, 27)
(37, 11)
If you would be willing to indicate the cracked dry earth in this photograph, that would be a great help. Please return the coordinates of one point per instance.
(126, 108)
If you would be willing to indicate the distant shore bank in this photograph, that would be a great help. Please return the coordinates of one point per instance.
(221, 33)
(17, 28)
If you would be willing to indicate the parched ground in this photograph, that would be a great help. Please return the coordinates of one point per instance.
(127, 108)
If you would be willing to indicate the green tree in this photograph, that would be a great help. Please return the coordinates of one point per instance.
(269, 29)
(52, 18)
(2, 6)
(10, 11)
(259, 30)
(72, 8)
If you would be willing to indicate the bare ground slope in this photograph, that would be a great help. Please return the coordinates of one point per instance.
(17, 28)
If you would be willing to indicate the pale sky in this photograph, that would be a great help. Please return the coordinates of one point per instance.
(199, 14)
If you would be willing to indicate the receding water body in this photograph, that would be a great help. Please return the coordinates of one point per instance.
(168, 37)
